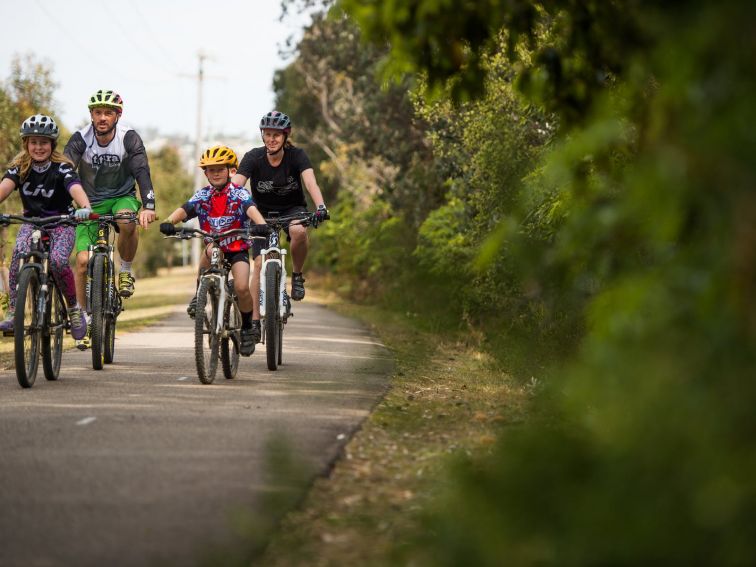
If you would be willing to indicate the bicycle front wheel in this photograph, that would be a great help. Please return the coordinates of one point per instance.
(110, 318)
(206, 340)
(26, 329)
(52, 336)
(97, 293)
(229, 346)
(272, 315)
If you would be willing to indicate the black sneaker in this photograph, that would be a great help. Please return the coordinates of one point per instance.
(247, 346)
(297, 286)
(191, 310)
(256, 330)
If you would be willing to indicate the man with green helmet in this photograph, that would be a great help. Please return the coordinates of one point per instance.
(111, 161)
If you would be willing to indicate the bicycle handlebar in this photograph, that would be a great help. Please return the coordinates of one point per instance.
(186, 233)
(38, 221)
(131, 217)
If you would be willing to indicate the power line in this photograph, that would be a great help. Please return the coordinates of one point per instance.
(153, 36)
(149, 56)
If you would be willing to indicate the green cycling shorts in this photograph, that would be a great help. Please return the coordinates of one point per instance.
(86, 233)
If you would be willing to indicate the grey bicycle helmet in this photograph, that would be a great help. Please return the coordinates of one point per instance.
(40, 125)
(276, 120)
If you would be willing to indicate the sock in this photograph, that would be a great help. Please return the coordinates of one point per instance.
(246, 319)
(125, 266)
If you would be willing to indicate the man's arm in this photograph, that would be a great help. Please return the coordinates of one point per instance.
(75, 148)
(140, 169)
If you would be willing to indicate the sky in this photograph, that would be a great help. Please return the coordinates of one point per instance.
(147, 50)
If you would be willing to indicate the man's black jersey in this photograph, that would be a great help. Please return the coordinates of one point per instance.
(46, 190)
(279, 187)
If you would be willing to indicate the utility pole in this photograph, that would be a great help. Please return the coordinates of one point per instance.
(197, 149)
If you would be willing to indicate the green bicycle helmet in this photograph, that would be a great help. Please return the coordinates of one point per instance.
(107, 98)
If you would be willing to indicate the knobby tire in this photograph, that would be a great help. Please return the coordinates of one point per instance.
(229, 346)
(110, 321)
(206, 340)
(52, 333)
(97, 291)
(272, 315)
(26, 328)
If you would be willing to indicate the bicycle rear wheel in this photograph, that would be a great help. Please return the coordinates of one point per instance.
(206, 340)
(229, 346)
(52, 336)
(27, 328)
(97, 291)
(272, 315)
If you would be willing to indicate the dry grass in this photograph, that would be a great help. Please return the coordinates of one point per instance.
(445, 398)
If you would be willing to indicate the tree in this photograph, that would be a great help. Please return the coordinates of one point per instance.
(173, 186)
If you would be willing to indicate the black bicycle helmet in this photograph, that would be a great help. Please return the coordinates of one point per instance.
(276, 120)
(40, 125)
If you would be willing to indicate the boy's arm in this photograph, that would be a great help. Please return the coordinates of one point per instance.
(177, 216)
(254, 215)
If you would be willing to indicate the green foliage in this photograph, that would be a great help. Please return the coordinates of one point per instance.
(612, 205)
(173, 186)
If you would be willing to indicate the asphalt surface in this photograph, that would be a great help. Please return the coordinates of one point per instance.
(140, 464)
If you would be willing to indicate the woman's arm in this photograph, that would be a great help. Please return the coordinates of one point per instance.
(308, 177)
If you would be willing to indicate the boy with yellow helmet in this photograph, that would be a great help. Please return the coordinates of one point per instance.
(222, 206)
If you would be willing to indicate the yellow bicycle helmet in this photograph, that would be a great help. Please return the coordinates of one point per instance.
(219, 155)
(107, 98)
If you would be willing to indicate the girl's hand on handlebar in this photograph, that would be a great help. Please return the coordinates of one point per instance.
(82, 214)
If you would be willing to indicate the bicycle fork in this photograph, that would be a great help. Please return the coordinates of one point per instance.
(282, 308)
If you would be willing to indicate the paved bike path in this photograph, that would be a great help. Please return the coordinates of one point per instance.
(140, 464)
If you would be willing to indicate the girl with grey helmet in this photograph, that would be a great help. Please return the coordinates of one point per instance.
(47, 185)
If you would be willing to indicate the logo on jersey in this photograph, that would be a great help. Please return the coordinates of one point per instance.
(107, 160)
(38, 190)
(269, 187)
(220, 224)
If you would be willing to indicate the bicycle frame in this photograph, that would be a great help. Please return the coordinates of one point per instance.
(41, 258)
(218, 273)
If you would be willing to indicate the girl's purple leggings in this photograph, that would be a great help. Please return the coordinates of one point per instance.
(61, 245)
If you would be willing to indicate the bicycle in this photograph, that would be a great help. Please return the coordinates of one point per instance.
(275, 303)
(41, 315)
(104, 303)
(216, 337)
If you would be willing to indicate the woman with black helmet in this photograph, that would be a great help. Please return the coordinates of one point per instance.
(279, 173)
(47, 185)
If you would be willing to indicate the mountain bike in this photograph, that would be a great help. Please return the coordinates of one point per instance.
(41, 316)
(217, 319)
(104, 303)
(275, 303)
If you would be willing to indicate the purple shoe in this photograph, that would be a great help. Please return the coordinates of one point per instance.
(78, 323)
(7, 325)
